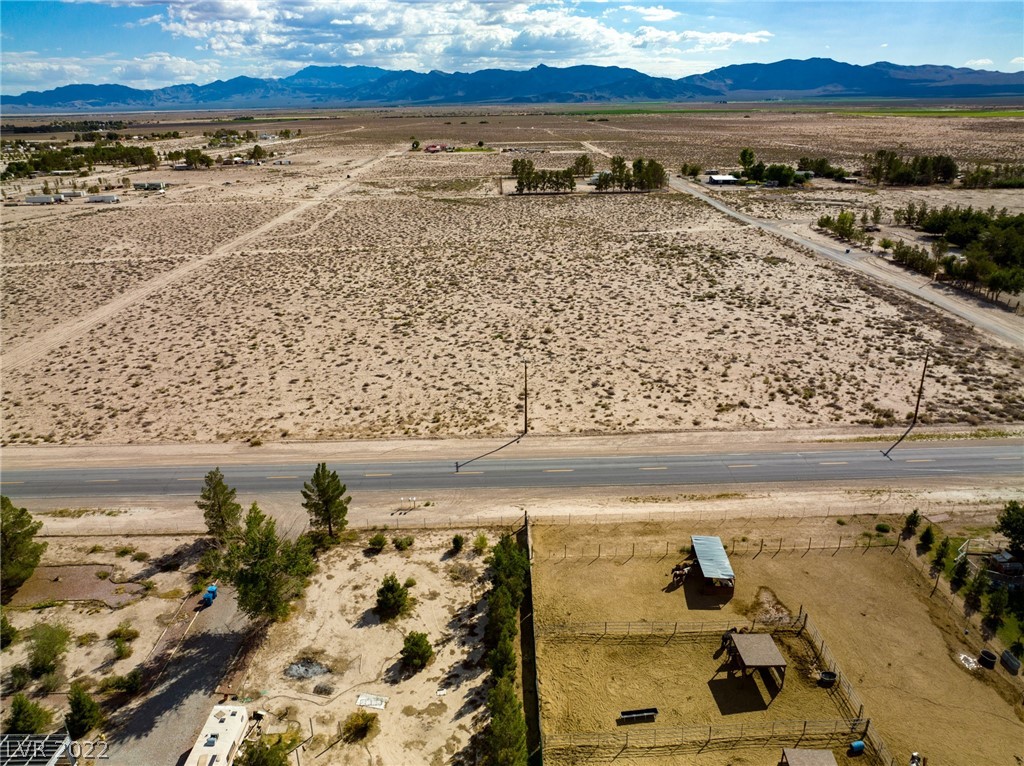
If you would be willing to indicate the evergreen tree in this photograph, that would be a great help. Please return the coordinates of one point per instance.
(1011, 524)
(995, 611)
(19, 553)
(942, 553)
(7, 631)
(960, 571)
(911, 523)
(747, 160)
(928, 538)
(26, 717)
(392, 598)
(259, 753)
(325, 500)
(505, 741)
(417, 651)
(267, 572)
(85, 714)
(502, 658)
(222, 514)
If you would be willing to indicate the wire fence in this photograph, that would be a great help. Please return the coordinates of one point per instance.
(692, 738)
(668, 630)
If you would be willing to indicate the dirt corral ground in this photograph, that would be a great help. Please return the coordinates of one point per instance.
(430, 716)
(898, 649)
(376, 292)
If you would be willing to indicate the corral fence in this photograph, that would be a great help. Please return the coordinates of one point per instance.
(726, 736)
(667, 630)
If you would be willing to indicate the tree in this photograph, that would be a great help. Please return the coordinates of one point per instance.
(85, 714)
(257, 153)
(505, 740)
(325, 499)
(583, 166)
(26, 717)
(746, 160)
(267, 571)
(392, 598)
(19, 554)
(942, 553)
(928, 538)
(457, 542)
(1011, 524)
(960, 571)
(222, 514)
(417, 651)
(995, 611)
(502, 658)
(976, 590)
(260, 753)
(911, 523)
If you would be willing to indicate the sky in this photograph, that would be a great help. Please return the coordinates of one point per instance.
(155, 43)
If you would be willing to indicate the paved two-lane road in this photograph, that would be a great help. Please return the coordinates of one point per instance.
(841, 464)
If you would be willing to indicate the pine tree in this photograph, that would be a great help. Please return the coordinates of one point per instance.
(220, 511)
(19, 554)
(392, 597)
(960, 571)
(417, 651)
(928, 538)
(325, 499)
(85, 714)
(26, 717)
(267, 571)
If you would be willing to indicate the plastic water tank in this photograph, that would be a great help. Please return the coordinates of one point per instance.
(857, 747)
(987, 659)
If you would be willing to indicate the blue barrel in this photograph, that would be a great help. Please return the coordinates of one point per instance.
(856, 748)
(212, 592)
(207, 599)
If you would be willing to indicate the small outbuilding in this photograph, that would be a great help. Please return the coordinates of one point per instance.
(715, 569)
(719, 180)
(757, 651)
(803, 756)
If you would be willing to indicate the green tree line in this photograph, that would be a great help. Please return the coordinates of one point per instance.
(886, 166)
(644, 175)
(81, 157)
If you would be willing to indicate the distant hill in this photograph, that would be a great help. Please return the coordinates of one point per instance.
(337, 86)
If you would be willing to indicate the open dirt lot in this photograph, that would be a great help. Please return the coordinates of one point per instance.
(366, 291)
(898, 649)
(429, 716)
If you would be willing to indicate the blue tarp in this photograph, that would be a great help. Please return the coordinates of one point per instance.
(711, 555)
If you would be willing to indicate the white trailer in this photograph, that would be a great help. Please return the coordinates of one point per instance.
(221, 737)
(44, 199)
(108, 199)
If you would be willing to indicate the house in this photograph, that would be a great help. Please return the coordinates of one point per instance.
(221, 737)
(719, 180)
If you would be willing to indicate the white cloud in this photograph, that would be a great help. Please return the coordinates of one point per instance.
(884, 45)
(158, 69)
(651, 13)
(975, 63)
(1018, 60)
(29, 70)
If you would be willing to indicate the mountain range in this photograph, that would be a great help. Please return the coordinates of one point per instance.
(341, 86)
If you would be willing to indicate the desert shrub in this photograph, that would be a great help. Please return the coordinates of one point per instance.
(417, 651)
(358, 726)
(392, 598)
(882, 527)
(402, 543)
(122, 649)
(130, 683)
(87, 639)
(457, 542)
(123, 631)
(27, 717)
(51, 682)
(103, 574)
(841, 522)
(263, 753)
(377, 542)
(8, 633)
(410, 582)
(49, 643)
(19, 677)
(124, 550)
(85, 714)
(140, 556)
(480, 544)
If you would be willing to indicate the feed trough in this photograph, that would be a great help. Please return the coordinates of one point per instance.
(827, 678)
(987, 659)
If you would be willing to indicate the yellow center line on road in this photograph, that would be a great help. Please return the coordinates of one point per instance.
(21, 482)
(282, 477)
(102, 481)
(468, 473)
(656, 468)
(998, 458)
(559, 470)
(743, 465)
(921, 460)
(833, 462)
(375, 475)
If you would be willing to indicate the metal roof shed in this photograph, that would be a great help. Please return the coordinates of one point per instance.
(757, 651)
(711, 555)
(802, 756)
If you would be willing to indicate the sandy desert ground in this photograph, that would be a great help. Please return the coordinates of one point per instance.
(366, 291)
